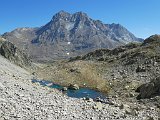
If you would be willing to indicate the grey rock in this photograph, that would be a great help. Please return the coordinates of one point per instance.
(98, 106)
(64, 89)
(73, 86)
(11, 52)
(140, 69)
(89, 99)
(124, 106)
(149, 90)
(1, 86)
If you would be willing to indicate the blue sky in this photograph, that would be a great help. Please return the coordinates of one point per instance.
(141, 17)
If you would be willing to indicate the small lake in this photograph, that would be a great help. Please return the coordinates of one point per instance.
(81, 93)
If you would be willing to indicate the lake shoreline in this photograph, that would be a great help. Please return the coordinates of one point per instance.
(82, 92)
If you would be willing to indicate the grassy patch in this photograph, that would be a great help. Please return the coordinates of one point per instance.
(83, 73)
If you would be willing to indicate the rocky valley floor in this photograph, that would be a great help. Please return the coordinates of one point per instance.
(20, 99)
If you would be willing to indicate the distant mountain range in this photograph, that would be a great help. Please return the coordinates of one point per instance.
(68, 35)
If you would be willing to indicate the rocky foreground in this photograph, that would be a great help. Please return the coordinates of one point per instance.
(20, 99)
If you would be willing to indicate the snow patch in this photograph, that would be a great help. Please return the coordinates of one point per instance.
(69, 26)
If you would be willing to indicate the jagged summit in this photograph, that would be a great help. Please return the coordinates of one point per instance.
(68, 35)
(62, 12)
(61, 15)
(65, 15)
(80, 14)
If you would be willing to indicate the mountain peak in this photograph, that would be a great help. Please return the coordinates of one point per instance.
(80, 15)
(65, 15)
(70, 35)
(61, 14)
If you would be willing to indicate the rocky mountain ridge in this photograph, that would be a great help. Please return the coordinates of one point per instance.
(68, 35)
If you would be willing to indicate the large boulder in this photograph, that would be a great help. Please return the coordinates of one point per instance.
(150, 89)
(73, 87)
(12, 53)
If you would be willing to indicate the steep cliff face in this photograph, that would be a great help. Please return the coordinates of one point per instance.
(68, 35)
(12, 53)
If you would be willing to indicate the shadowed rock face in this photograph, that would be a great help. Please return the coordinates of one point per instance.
(68, 35)
(149, 90)
(12, 53)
